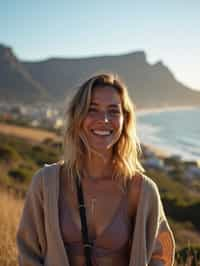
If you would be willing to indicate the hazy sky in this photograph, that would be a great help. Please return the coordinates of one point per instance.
(166, 30)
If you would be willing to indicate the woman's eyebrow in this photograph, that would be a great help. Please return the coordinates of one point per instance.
(115, 105)
(110, 105)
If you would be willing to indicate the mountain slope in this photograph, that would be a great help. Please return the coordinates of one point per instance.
(16, 83)
(54, 79)
(149, 85)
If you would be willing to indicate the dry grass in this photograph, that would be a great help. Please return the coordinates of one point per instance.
(11, 208)
(30, 134)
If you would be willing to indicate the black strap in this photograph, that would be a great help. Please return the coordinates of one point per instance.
(84, 229)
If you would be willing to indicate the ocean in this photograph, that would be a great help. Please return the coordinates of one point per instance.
(175, 131)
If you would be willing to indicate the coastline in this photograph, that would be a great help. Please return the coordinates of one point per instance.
(145, 111)
(162, 154)
(158, 152)
(163, 151)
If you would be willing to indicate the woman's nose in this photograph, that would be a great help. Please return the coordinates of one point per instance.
(104, 116)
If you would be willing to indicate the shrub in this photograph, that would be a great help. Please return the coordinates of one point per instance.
(20, 174)
(41, 155)
(189, 256)
(7, 153)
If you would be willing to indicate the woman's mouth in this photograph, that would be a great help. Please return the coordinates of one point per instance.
(102, 132)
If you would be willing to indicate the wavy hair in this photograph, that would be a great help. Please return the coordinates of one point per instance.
(126, 150)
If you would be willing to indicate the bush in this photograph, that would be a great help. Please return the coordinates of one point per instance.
(41, 155)
(7, 153)
(189, 256)
(20, 174)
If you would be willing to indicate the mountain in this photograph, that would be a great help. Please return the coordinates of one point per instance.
(150, 85)
(16, 83)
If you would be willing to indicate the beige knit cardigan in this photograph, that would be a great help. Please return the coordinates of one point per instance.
(39, 239)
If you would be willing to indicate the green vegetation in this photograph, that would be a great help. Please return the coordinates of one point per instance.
(178, 198)
(7, 153)
(22, 173)
(173, 189)
(20, 159)
(188, 256)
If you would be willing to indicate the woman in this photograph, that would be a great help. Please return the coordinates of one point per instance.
(125, 220)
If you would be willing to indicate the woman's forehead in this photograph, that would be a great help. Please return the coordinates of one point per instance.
(107, 95)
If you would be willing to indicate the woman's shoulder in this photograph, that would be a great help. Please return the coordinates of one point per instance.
(150, 193)
(145, 182)
(52, 166)
(44, 175)
(144, 193)
(143, 187)
(149, 184)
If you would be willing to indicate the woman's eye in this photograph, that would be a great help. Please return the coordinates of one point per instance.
(111, 112)
(114, 111)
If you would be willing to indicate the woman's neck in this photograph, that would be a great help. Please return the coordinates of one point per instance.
(98, 166)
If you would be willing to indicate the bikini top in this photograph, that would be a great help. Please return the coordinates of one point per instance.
(114, 240)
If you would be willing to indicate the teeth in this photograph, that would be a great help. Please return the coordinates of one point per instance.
(102, 132)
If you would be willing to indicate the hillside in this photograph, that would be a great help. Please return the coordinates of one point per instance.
(16, 83)
(31, 135)
(150, 85)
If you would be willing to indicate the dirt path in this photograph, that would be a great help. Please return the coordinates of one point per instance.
(31, 134)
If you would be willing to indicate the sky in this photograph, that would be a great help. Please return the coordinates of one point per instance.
(165, 30)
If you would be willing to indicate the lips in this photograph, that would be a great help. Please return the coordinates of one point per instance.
(102, 132)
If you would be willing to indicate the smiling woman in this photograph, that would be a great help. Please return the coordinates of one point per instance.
(102, 102)
(103, 123)
(96, 207)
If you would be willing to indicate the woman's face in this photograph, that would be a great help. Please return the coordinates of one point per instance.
(103, 123)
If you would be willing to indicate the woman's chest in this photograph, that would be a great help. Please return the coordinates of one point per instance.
(106, 208)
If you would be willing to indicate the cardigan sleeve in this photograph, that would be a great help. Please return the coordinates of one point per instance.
(31, 241)
(163, 250)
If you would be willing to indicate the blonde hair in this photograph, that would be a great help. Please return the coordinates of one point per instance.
(126, 150)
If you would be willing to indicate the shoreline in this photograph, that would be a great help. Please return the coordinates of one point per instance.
(145, 111)
(166, 151)
(161, 153)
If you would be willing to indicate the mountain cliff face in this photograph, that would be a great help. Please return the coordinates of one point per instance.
(16, 83)
(149, 85)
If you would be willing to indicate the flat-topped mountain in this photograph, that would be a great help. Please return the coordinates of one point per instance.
(150, 85)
